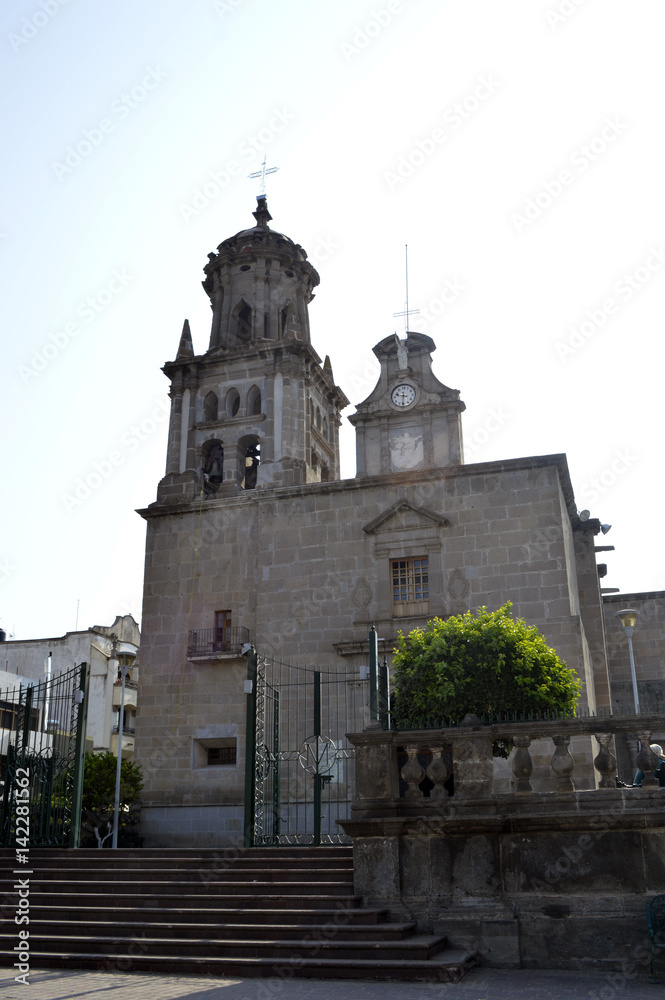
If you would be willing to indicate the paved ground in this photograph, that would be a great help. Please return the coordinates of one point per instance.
(479, 984)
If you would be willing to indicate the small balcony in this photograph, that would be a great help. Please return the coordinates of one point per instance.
(130, 694)
(216, 643)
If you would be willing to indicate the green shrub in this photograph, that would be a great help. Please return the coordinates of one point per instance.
(485, 664)
(99, 798)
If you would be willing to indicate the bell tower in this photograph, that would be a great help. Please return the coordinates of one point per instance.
(258, 408)
(410, 421)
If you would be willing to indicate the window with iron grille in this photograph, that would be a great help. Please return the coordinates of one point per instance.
(410, 580)
(221, 755)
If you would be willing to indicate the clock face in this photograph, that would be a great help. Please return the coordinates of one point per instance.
(403, 395)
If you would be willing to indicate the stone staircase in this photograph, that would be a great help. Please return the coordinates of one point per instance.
(275, 912)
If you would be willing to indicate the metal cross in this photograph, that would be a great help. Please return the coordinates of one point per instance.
(406, 312)
(262, 174)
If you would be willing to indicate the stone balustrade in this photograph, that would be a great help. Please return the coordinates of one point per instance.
(551, 868)
(470, 746)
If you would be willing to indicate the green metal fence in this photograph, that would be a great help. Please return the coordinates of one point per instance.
(42, 733)
(300, 777)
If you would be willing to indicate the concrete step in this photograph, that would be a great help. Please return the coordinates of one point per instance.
(192, 888)
(202, 876)
(447, 967)
(418, 947)
(267, 912)
(341, 928)
(203, 901)
(341, 915)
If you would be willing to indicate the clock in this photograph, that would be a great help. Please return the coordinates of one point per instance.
(403, 395)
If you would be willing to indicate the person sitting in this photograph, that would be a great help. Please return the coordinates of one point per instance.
(659, 773)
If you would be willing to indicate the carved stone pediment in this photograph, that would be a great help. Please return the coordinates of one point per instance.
(405, 516)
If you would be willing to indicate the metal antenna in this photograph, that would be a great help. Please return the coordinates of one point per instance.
(262, 174)
(407, 311)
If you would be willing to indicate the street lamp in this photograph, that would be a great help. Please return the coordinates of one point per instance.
(125, 669)
(627, 618)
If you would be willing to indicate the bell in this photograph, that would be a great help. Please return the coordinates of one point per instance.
(215, 475)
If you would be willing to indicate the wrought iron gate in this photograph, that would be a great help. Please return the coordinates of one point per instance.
(42, 729)
(300, 765)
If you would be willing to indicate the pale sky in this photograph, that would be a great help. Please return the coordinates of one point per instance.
(516, 147)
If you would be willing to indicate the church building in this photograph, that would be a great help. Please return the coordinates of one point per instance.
(255, 540)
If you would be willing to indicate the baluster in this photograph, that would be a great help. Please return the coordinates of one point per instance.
(605, 762)
(522, 764)
(563, 764)
(438, 772)
(647, 761)
(412, 773)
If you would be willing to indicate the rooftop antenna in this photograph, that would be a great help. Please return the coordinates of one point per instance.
(262, 173)
(78, 601)
(407, 312)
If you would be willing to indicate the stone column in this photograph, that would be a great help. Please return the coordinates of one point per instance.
(175, 424)
(522, 764)
(563, 764)
(473, 765)
(605, 762)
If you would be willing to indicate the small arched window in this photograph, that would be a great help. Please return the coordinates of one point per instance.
(254, 401)
(324, 429)
(249, 454)
(244, 323)
(210, 407)
(325, 473)
(232, 402)
(318, 419)
(213, 461)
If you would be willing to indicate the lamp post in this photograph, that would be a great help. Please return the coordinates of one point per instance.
(627, 618)
(125, 669)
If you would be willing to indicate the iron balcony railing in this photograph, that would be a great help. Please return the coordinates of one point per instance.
(213, 641)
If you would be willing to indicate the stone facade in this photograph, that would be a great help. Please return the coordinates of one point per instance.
(301, 562)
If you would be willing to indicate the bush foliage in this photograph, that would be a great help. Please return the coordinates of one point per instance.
(485, 663)
(99, 782)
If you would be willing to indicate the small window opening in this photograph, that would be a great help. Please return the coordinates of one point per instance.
(232, 402)
(252, 459)
(213, 465)
(221, 755)
(254, 401)
(245, 323)
(210, 407)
